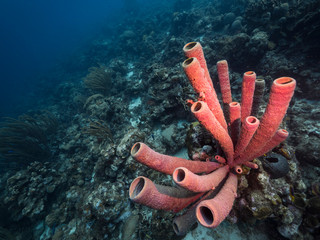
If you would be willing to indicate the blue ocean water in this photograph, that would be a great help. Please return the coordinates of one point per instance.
(37, 35)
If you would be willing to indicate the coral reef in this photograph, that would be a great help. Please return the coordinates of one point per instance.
(31, 189)
(306, 138)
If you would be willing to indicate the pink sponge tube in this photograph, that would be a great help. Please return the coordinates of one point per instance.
(223, 74)
(195, 183)
(167, 164)
(249, 127)
(210, 213)
(202, 112)
(198, 80)
(251, 165)
(194, 49)
(220, 159)
(248, 85)
(280, 96)
(278, 138)
(142, 190)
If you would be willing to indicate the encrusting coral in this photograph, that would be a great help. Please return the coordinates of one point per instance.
(240, 136)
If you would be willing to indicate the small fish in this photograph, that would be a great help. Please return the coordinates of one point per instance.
(291, 193)
(286, 153)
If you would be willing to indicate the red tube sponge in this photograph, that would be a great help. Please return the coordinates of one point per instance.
(207, 119)
(210, 213)
(278, 138)
(248, 85)
(167, 164)
(198, 80)
(142, 190)
(194, 49)
(281, 93)
(223, 74)
(195, 183)
(249, 127)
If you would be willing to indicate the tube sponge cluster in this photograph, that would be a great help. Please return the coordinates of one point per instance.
(208, 189)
